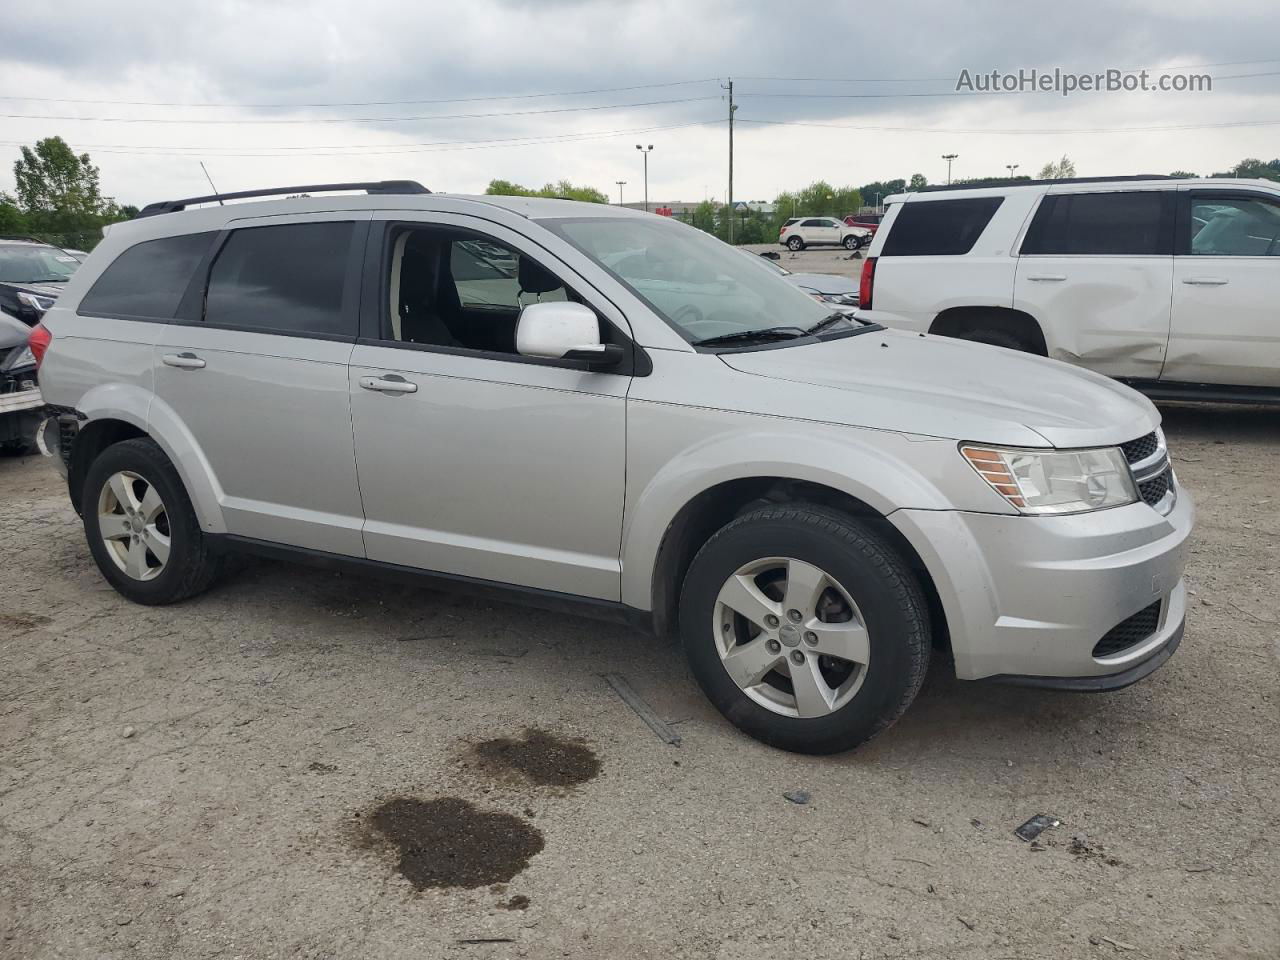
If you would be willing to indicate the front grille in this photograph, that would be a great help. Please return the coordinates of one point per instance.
(1130, 632)
(1153, 491)
(1138, 450)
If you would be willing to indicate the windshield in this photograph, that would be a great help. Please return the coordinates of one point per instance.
(702, 287)
(35, 264)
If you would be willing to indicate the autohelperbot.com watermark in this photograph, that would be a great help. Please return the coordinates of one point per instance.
(1065, 82)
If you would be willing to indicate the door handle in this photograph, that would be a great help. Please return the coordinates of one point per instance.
(183, 361)
(1047, 276)
(389, 384)
(1205, 281)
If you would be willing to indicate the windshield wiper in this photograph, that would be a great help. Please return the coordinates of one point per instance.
(829, 320)
(749, 336)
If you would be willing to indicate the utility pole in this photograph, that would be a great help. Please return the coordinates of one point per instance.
(646, 151)
(949, 157)
(732, 108)
(621, 184)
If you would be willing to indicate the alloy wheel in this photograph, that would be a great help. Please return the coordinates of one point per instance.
(134, 525)
(791, 637)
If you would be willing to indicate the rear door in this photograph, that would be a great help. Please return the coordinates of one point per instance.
(1096, 270)
(1226, 323)
(255, 373)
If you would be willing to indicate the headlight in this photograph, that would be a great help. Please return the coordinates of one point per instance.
(19, 359)
(37, 303)
(1055, 481)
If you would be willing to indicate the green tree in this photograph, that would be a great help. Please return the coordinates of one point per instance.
(1058, 169)
(563, 190)
(918, 182)
(1254, 169)
(12, 220)
(874, 193)
(58, 196)
(1183, 174)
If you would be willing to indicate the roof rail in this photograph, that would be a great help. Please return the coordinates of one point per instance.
(1007, 182)
(377, 186)
(16, 236)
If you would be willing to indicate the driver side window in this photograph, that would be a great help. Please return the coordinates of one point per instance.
(453, 288)
(1234, 227)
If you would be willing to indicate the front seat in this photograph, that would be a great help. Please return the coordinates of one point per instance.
(421, 317)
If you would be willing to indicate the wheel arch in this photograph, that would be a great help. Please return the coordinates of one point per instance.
(957, 321)
(714, 507)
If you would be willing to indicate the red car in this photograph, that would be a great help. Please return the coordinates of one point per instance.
(870, 221)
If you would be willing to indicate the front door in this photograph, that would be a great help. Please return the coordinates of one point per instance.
(1226, 291)
(474, 460)
(257, 379)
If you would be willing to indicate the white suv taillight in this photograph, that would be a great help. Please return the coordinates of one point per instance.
(866, 283)
(39, 341)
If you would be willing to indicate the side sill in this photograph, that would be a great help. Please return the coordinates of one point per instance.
(551, 600)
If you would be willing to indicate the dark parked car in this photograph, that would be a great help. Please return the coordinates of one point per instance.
(32, 274)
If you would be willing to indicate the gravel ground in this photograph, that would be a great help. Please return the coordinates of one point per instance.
(265, 772)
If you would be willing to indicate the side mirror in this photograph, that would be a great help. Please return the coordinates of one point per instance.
(562, 330)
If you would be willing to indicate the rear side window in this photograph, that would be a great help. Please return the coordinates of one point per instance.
(148, 280)
(816, 223)
(1103, 224)
(939, 228)
(286, 279)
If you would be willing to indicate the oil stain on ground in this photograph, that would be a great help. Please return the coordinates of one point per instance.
(448, 842)
(541, 757)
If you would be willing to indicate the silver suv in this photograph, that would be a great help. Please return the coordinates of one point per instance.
(607, 410)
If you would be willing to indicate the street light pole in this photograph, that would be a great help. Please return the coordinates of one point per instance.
(621, 184)
(646, 151)
(1011, 167)
(949, 157)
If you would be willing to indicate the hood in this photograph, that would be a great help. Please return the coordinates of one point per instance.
(44, 289)
(828, 283)
(935, 386)
(13, 331)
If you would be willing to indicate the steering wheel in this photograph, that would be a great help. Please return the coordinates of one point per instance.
(687, 314)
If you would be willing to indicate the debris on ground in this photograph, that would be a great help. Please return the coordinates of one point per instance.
(922, 821)
(797, 796)
(128, 732)
(645, 712)
(1098, 941)
(968, 923)
(1036, 826)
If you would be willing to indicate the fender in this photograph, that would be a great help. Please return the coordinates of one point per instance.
(861, 463)
(139, 407)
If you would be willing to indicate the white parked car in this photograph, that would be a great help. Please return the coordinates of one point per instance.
(800, 232)
(603, 410)
(1168, 284)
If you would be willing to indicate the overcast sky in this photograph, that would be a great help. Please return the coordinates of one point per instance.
(268, 93)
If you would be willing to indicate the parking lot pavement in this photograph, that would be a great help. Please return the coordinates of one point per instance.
(835, 260)
(266, 771)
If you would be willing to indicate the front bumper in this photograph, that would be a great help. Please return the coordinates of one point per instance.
(1028, 598)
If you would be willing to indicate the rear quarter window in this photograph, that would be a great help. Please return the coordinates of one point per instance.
(148, 280)
(939, 227)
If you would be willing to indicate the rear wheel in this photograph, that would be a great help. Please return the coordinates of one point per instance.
(804, 628)
(141, 527)
(795, 243)
(998, 338)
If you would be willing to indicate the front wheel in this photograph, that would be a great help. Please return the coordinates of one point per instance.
(795, 243)
(141, 527)
(851, 242)
(804, 628)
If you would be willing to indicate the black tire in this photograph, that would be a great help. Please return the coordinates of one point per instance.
(191, 566)
(868, 569)
(998, 338)
(851, 242)
(794, 244)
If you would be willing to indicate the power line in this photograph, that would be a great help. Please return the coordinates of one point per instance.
(355, 103)
(372, 150)
(1046, 131)
(294, 120)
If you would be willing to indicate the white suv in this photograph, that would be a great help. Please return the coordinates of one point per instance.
(1171, 285)
(800, 232)
(609, 411)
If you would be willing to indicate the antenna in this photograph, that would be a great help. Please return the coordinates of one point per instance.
(210, 179)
